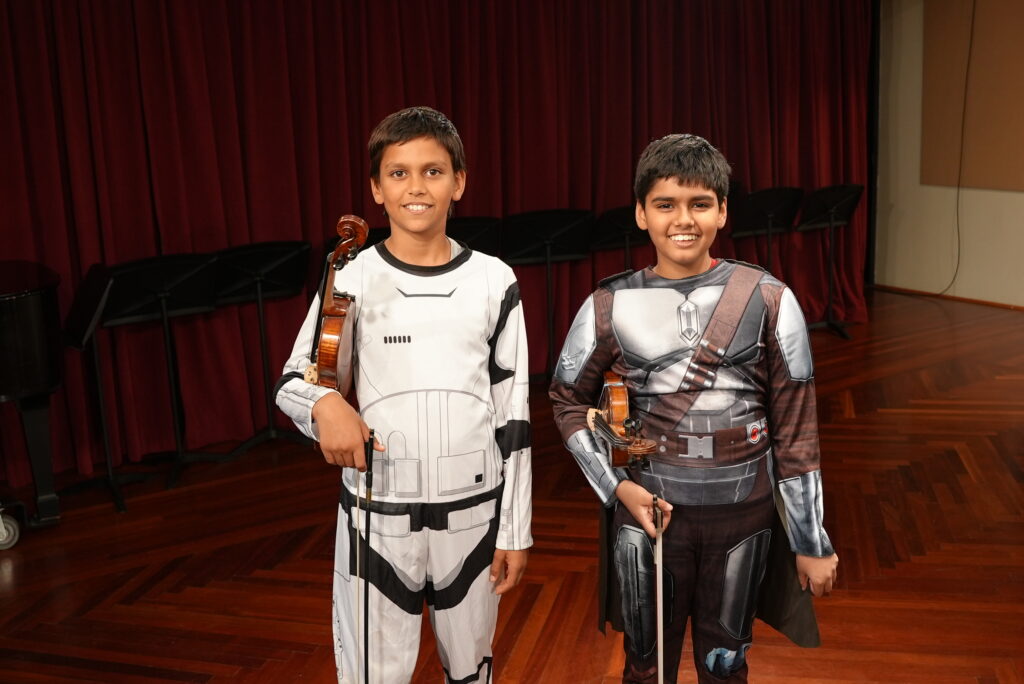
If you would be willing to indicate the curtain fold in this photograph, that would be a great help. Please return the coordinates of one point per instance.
(138, 128)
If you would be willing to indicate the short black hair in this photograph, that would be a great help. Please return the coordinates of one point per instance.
(690, 159)
(409, 124)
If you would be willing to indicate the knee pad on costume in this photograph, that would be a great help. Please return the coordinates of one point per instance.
(634, 564)
(723, 662)
(744, 570)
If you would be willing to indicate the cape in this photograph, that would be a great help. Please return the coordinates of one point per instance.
(781, 603)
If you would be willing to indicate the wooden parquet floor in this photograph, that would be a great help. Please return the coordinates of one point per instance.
(227, 577)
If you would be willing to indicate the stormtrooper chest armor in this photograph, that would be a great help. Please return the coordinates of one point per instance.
(422, 357)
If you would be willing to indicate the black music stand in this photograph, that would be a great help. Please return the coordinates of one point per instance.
(255, 273)
(736, 195)
(79, 326)
(616, 229)
(830, 207)
(765, 212)
(373, 236)
(158, 289)
(479, 233)
(546, 237)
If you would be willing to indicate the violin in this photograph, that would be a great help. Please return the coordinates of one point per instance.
(335, 343)
(610, 419)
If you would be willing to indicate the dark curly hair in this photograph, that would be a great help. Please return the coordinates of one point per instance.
(690, 159)
(409, 124)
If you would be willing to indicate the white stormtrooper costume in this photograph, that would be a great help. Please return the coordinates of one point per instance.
(440, 373)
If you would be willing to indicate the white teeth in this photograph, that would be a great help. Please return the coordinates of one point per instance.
(416, 207)
(683, 238)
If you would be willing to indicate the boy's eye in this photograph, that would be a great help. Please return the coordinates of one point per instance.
(434, 172)
(397, 173)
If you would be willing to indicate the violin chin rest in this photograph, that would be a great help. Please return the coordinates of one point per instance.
(311, 375)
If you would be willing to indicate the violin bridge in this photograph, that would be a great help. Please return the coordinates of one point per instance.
(311, 375)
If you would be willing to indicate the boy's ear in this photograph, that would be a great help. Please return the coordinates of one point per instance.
(378, 196)
(460, 185)
(723, 212)
(641, 217)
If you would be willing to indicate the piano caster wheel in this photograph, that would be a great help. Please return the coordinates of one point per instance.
(9, 532)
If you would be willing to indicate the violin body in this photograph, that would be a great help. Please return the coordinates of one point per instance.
(611, 420)
(334, 346)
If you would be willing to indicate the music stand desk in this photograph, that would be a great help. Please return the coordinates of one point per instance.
(479, 233)
(829, 208)
(83, 318)
(546, 237)
(159, 289)
(765, 212)
(255, 273)
(617, 229)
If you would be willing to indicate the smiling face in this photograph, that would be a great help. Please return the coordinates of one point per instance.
(682, 221)
(417, 186)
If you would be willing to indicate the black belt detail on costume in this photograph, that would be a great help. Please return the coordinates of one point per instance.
(384, 577)
(513, 436)
(478, 560)
(475, 677)
(431, 515)
(287, 377)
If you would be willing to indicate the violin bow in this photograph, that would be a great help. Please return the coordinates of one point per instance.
(659, 528)
(363, 564)
(359, 586)
(366, 560)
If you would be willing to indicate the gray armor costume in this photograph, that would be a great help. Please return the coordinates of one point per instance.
(440, 372)
(733, 426)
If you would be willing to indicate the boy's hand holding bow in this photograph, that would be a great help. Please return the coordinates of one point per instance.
(640, 504)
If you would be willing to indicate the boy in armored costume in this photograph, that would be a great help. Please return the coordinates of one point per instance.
(439, 364)
(717, 364)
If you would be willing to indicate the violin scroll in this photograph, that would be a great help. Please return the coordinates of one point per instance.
(352, 232)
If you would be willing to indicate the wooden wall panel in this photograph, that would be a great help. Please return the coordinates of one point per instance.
(993, 119)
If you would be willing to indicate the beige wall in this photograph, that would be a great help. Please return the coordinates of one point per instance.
(917, 224)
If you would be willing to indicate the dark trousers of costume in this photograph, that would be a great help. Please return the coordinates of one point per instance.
(697, 545)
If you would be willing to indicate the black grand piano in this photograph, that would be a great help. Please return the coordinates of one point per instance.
(30, 371)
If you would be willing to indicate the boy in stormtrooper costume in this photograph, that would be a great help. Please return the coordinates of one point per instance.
(440, 371)
(718, 368)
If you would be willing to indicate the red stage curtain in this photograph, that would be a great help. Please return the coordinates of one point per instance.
(132, 129)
